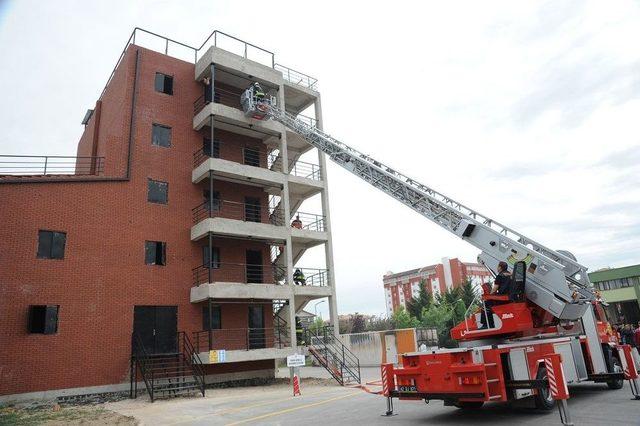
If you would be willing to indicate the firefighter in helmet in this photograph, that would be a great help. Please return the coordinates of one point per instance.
(298, 277)
(258, 93)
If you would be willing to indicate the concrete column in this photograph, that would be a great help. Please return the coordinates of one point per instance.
(328, 247)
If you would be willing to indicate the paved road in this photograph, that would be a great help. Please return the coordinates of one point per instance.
(329, 404)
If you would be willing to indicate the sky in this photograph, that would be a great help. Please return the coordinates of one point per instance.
(525, 111)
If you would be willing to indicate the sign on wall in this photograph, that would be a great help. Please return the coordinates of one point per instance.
(217, 356)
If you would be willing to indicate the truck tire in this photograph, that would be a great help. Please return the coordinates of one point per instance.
(469, 405)
(617, 368)
(543, 399)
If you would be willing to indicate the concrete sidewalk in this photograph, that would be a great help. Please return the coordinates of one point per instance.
(368, 374)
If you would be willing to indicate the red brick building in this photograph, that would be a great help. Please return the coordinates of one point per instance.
(171, 225)
(451, 273)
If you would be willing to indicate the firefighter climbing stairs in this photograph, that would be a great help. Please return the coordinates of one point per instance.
(334, 356)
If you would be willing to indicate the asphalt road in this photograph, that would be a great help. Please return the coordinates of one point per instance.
(328, 404)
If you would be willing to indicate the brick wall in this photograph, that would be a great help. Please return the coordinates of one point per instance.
(103, 274)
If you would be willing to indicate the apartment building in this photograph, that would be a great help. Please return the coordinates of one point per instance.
(439, 278)
(176, 230)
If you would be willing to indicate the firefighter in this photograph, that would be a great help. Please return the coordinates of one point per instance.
(299, 332)
(296, 223)
(501, 287)
(298, 277)
(258, 93)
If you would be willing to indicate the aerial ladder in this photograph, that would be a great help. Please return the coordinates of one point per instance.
(557, 300)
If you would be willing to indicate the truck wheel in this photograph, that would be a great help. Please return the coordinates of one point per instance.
(617, 368)
(469, 405)
(544, 400)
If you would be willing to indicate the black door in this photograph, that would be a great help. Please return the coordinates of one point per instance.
(256, 327)
(254, 266)
(252, 209)
(157, 328)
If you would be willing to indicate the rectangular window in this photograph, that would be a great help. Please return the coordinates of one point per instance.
(155, 253)
(164, 83)
(51, 244)
(157, 191)
(252, 157)
(215, 319)
(43, 319)
(206, 147)
(215, 261)
(161, 135)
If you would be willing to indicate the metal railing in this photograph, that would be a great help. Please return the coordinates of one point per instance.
(191, 359)
(241, 48)
(297, 77)
(309, 221)
(248, 156)
(307, 120)
(305, 170)
(39, 165)
(333, 355)
(238, 273)
(238, 211)
(242, 338)
(312, 277)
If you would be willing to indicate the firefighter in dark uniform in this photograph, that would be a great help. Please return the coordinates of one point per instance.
(258, 92)
(501, 287)
(298, 277)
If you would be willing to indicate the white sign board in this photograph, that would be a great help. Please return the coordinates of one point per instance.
(295, 360)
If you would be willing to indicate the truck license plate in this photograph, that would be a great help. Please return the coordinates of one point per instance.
(408, 388)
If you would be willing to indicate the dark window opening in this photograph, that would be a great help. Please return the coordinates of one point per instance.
(215, 260)
(254, 270)
(164, 83)
(43, 319)
(158, 191)
(252, 209)
(213, 205)
(155, 253)
(216, 318)
(206, 147)
(161, 135)
(51, 244)
(252, 157)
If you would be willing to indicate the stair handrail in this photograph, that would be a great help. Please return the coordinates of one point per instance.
(192, 358)
(141, 358)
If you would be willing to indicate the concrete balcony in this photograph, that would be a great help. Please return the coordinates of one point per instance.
(239, 281)
(232, 219)
(235, 64)
(233, 116)
(237, 172)
(300, 90)
(243, 344)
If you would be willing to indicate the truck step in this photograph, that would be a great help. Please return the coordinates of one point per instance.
(493, 380)
(490, 364)
(492, 397)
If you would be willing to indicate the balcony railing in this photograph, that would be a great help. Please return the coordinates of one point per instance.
(296, 77)
(311, 277)
(220, 96)
(238, 273)
(246, 339)
(238, 211)
(307, 120)
(305, 170)
(35, 165)
(248, 156)
(309, 221)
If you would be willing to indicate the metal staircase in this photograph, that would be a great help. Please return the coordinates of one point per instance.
(334, 356)
(166, 375)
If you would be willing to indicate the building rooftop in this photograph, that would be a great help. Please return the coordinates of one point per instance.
(614, 273)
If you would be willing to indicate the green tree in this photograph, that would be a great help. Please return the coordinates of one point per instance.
(402, 319)
(467, 292)
(316, 327)
(358, 323)
(416, 305)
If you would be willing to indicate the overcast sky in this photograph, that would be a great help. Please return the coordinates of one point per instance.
(527, 112)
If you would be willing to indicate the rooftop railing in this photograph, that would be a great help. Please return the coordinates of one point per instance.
(38, 165)
(179, 50)
(297, 77)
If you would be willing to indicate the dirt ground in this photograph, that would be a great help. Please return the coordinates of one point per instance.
(56, 415)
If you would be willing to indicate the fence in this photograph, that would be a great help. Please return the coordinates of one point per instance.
(238, 273)
(37, 165)
(242, 338)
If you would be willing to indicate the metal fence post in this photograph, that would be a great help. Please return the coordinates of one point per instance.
(45, 165)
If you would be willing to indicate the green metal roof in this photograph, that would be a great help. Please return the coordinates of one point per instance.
(615, 273)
